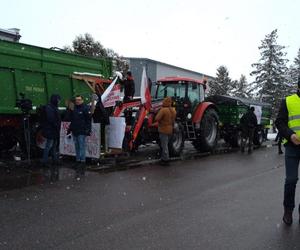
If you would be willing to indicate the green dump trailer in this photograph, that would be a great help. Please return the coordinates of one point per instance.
(230, 111)
(36, 73)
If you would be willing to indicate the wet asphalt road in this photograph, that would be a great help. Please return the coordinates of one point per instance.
(230, 201)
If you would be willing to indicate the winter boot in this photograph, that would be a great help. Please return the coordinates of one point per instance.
(288, 216)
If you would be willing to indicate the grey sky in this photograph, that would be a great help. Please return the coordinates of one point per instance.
(198, 35)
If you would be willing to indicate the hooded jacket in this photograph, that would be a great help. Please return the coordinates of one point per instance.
(166, 117)
(51, 125)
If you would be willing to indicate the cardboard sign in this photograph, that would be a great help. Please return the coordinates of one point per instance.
(113, 97)
(116, 132)
(93, 142)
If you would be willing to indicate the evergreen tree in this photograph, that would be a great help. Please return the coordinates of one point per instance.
(222, 84)
(87, 46)
(270, 72)
(241, 88)
(294, 71)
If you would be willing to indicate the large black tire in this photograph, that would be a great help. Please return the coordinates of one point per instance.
(176, 143)
(207, 136)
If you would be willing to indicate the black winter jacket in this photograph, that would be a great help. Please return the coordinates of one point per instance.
(80, 119)
(249, 120)
(282, 123)
(51, 126)
(100, 114)
(129, 87)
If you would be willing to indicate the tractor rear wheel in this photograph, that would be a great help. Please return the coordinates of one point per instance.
(207, 136)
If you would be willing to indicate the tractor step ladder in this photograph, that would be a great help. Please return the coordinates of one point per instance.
(190, 130)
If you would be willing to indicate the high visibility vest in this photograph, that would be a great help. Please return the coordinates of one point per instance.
(293, 107)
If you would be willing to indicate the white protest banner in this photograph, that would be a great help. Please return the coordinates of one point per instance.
(108, 90)
(116, 132)
(113, 97)
(93, 142)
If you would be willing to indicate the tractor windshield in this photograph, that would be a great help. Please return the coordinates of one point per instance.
(172, 89)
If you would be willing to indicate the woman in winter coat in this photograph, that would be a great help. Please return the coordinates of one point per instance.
(165, 118)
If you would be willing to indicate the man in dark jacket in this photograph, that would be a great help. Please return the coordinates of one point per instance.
(50, 130)
(288, 124)
(80, 127)
(248, 124)
(101, 116)
(129, 87)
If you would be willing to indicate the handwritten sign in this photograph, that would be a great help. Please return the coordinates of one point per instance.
(93, 145)
(116, 132)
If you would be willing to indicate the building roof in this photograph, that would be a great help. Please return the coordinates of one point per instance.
(170, 65)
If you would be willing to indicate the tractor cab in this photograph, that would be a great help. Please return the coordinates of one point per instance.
(186, 93)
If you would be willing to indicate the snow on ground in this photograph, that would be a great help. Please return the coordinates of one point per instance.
(272, 136)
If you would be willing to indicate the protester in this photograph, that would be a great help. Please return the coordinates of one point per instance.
(129, 87)
(50, 130)
(165, 118)
(80, 127)
(100, 115)
(248, 124)
(288, 124)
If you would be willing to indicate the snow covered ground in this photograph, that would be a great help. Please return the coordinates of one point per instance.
(272, 136)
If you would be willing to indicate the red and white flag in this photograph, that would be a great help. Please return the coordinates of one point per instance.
(145, 91)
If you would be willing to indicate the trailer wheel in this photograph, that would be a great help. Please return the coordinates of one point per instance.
(258, 138)
(176, 143)
(236, 139)
(207, 136)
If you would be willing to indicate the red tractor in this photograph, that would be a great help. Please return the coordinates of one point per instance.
(196, 120)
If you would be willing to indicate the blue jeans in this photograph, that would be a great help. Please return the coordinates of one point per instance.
(51, 145)
(292, 158)
(79, 142)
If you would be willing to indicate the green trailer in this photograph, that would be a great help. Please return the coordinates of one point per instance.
(230, 111)
(37, 73)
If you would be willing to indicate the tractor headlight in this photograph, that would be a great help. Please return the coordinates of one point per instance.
(189, 116)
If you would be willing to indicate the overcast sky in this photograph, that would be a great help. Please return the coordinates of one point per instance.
(194, 34)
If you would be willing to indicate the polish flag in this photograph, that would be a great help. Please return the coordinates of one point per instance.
(145, 91)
